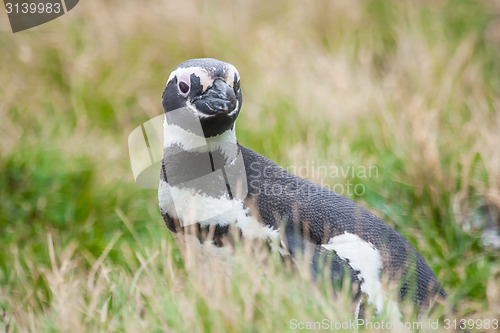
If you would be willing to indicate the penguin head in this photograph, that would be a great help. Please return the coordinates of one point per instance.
(207, 88)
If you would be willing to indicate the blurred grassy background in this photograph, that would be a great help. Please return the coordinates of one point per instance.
(412, 88)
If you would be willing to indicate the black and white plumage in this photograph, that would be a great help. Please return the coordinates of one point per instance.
(211, 182)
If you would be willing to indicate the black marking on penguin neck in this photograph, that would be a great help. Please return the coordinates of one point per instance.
(186, 133)
(181, 167)
(211, 159)
(215, 125)
(188, 156)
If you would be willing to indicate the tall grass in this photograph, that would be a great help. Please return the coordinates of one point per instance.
(411, 88)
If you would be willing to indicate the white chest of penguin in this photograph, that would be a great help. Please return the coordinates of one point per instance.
(197, 199)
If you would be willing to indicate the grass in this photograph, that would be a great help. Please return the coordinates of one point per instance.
(411, 88)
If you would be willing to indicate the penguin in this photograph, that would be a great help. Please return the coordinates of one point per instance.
(210, 185)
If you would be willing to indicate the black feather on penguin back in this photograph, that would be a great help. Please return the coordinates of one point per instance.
(325, 214)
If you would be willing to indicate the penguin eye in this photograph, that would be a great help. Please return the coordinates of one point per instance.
(183, 87)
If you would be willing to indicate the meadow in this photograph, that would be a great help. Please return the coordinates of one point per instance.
(410, 89)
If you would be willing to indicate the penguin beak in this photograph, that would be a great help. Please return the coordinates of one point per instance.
(218, 98)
